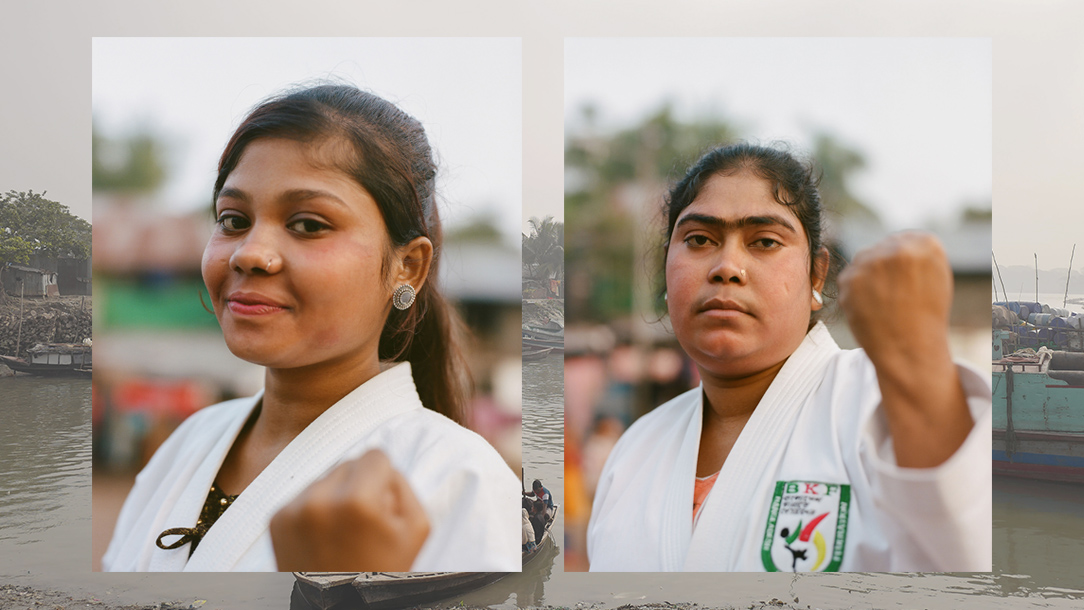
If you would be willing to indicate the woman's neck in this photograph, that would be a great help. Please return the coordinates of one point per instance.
(294, 398)
(728, 404)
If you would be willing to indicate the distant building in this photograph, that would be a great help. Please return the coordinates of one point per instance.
(28, 281)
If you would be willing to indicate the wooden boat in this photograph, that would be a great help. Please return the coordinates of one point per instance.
(386, 590)
(557, 346)
(1038, 421)
(531, 354)
(327, 590)
(547, 537)
(549, 326)
(53, 360)
(537, 333)
(1038, 396)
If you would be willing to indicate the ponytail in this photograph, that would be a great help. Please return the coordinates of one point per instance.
(429, 335)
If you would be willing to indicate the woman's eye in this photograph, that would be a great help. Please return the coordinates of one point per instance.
(766, 243)
(307, 226)
(233, 222)
(697, 240)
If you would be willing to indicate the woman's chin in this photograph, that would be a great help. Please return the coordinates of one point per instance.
(733, 361)
(256, 353)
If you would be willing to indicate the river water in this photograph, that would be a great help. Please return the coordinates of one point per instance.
(45, 522)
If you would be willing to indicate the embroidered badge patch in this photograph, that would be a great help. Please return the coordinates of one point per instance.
(807, 527)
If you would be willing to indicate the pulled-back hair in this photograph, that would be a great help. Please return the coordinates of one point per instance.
(386, 151)
(793, 183)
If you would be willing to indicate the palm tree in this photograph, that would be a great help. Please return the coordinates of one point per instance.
(544, 252)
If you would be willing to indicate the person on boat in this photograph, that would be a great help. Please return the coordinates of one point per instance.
(541, 493)
(528, 531)
(322, 268)
(795, 455)
(539, 516)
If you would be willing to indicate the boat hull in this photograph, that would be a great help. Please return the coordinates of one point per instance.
(328, 590)
(414, 589)
(44, 370)
(385, 591)
(547, 541)
(1050, 457)
(558, 347)
(1038, 425)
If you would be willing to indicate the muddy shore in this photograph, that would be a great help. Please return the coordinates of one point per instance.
(17, 597)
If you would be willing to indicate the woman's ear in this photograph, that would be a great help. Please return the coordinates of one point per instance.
(820, 277)
(414, 259)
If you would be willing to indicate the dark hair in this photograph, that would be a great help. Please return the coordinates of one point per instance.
(793, 182)
(386, 151)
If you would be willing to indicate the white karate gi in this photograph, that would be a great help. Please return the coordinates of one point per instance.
(470, 495)
(814, 459)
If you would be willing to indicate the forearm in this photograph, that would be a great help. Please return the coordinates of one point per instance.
(925, 405)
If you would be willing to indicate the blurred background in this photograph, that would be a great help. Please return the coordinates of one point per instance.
(901, 129)
(163, 110)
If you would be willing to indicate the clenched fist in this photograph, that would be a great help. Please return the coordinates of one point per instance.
(361, 517)
(897, 296)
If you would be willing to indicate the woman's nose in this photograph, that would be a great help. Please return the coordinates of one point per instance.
(257, 253)
(729, 266)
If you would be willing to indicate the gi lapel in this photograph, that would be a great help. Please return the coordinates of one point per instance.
(194, 471)
(718, 541)
(678, 504)
(330, 439)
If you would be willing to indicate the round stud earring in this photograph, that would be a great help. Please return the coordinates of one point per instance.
(403, 297)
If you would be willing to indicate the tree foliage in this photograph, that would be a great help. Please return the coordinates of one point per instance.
(31, 224)
(132, 164)
(837, 164)
(544, 251)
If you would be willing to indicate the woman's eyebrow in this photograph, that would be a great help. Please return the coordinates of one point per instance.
(306, 194)
(290, 195)
(723, 224)
(233, 193)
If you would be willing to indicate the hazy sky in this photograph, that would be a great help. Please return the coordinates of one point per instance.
(195, 91)
(1038, 86)
(919, 109)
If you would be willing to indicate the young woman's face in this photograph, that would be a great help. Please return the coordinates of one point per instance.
(294, 268)
(738, 277)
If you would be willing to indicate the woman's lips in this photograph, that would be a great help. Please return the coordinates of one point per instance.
(724, 305)
(723, 313)
(724, 309)
(253, 305)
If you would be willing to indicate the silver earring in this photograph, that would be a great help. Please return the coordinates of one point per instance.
(817, 297)
(403, 297)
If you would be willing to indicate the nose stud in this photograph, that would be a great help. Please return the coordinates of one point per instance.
(743, 274)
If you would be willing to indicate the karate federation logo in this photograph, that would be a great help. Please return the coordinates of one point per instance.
(807, 527)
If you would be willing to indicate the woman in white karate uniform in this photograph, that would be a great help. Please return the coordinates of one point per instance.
(794, 455)
(321, 269)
